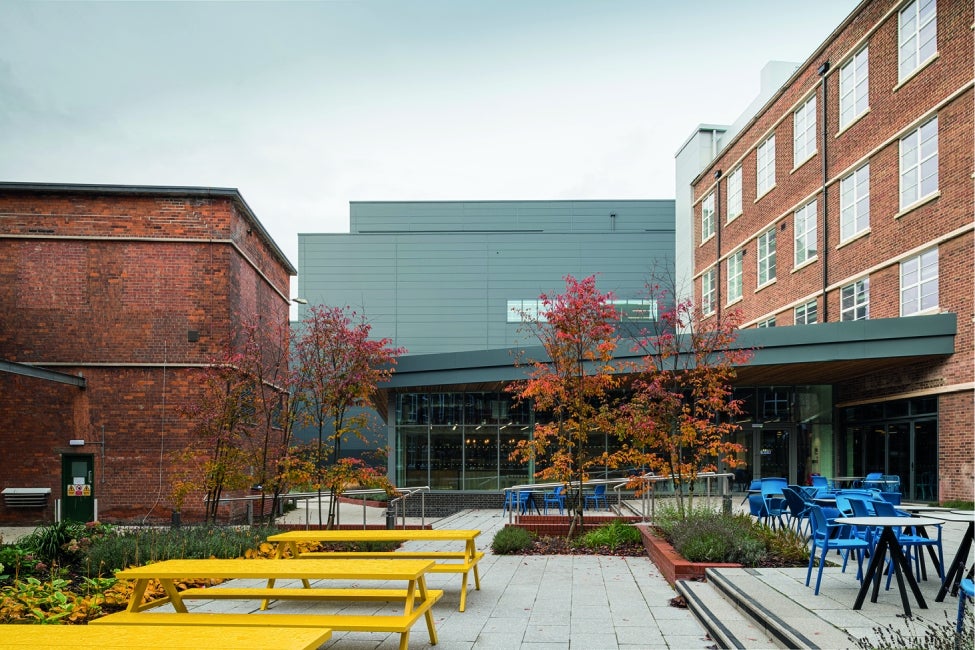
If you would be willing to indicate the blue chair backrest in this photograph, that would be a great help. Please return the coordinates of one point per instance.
(600, 490)
(756, 484)
(773, 486)
(884, 509)
(818, 519)
(818, 480)
(796, 503)
(860, 508)
(756, 506)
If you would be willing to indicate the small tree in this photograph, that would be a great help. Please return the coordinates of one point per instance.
(337, 369)
(576, 330)
(680, 418)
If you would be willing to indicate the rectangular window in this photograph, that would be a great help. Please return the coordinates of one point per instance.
(805, 229)
(919, 283)
(766, 257)
(855, 203)
(641, 310)
(806, 314)
(707, 217)
(767, 323)
(708, 291)
(917, 36)
(854, 88)
(919, 163)
(804, 132)
(735, 276)
(765, 166)
(734, 194)
(855, 300)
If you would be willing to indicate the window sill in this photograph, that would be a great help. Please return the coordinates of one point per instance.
(733, 217)
(704, 241)
(767, 284)
(917, 204)
(847, 242)
(733, 302)
(803, 162)
(810, 261)
(916, 71)
(925, 312)
(762, 195)
(855, 119)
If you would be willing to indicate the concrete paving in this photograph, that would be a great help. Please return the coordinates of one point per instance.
(594, 602)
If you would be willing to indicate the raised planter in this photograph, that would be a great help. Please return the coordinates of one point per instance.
(672, 565)
(558, 525)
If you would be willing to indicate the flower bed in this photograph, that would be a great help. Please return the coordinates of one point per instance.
(672, 565)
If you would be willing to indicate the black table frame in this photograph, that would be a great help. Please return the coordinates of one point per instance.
(953, 575)
(902, 569)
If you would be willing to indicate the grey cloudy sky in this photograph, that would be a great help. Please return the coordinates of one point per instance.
(305, 106)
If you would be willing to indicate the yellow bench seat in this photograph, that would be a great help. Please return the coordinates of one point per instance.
(299, 593)
(345, 622)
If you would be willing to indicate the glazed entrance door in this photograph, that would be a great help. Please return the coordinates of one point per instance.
(77, 487)
(777, 451)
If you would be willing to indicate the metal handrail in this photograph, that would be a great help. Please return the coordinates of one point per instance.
(648, 500)
(534, 487)
(404, 494)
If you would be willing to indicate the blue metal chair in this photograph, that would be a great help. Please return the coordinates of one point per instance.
(873, 480)
(556, 498)
(911, 540)
(598, 496)
(966, 592)
(798, 507)
(772, 489)
(821, 483)
(823, 538)
(516, 501)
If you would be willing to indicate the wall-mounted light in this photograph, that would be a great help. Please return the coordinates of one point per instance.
(76, 443)
(299, 301)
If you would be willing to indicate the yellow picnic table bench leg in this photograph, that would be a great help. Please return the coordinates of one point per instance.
(174, 597)
(471, 557)
(421, 583)
(138, 593)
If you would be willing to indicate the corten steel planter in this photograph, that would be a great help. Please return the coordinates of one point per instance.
(558, 525)
(672, 565)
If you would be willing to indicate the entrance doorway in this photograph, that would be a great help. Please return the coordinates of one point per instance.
(773, 451)
(77, 487)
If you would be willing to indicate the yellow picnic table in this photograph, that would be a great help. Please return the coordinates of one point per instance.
(417, 599)
(445, 561)
(99, 637)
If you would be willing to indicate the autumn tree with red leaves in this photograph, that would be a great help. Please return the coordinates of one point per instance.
(680, 419)
(576, 330)
(337, 368)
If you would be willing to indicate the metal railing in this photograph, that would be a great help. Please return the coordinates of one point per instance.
(648, 499)
(398, 505)
(545, 487)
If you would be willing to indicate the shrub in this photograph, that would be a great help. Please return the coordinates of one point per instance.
(511, 539)
(612, 535)
(709, 536)
(928, 635)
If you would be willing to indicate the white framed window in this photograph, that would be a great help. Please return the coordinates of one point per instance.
(734, 193)
(709, 291)
(707, 217)
(765, 166)
(807, 314)
(735, 274)
(855, 300)
(919, 163)
(919, 283)
(854, 88)
(803, 132)
(805, 233)
(766, 257)
(855, 203)
(769, 322)
(917, 36)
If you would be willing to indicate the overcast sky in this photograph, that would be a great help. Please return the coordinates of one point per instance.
(305, 106)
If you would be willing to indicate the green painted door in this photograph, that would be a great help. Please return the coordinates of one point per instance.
(77, 487)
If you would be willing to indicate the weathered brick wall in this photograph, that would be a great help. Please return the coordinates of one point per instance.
(116, 288)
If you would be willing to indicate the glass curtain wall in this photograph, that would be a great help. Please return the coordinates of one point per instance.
(899, 438)
(460, 441)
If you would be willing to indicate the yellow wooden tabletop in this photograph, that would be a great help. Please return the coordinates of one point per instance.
(360, 535)
(310, 569)
(98, 637)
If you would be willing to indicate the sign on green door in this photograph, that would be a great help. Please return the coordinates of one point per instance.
(77, 487)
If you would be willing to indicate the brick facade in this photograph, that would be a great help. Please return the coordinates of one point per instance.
(942, 88)
(132, 288)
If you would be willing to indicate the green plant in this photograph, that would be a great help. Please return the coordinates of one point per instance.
(927, 635)
(57, 543)
(511, 539)
(959, 505)
(612, 535)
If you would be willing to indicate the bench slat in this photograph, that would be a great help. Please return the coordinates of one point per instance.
(288, 593)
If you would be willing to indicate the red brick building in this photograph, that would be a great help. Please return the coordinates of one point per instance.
(849, 196)
(111, 296)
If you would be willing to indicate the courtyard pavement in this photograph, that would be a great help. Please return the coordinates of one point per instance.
(592, 602)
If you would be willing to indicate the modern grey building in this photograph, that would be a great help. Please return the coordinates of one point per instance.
(448, 280)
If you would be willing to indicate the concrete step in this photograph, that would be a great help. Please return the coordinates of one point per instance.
(788, 623)
(726, 625)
